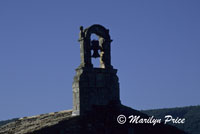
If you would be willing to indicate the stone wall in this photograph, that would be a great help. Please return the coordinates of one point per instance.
(95, 86)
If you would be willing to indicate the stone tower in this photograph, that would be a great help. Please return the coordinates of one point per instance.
(94, 86)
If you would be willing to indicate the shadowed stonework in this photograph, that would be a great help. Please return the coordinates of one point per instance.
(94, 86)
(96, 101)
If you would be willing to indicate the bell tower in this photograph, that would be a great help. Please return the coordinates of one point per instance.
(94, 86)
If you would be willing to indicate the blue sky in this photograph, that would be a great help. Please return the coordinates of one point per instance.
(156, 49)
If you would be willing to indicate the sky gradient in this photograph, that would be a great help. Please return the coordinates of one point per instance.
(156, 49)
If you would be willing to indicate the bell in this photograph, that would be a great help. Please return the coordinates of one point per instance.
(95, 47)
(95, 54)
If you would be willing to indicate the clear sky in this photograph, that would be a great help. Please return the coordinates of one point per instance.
(156, 49)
